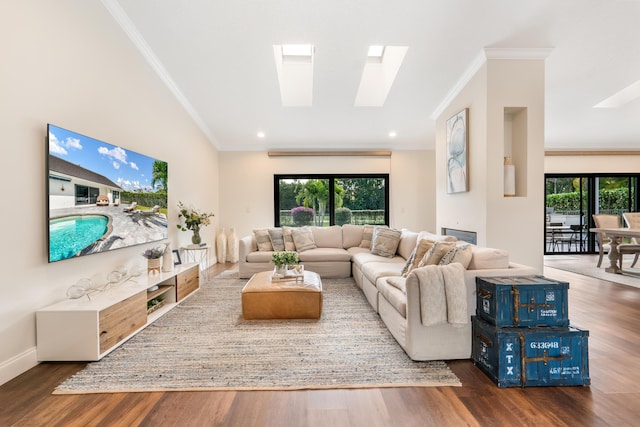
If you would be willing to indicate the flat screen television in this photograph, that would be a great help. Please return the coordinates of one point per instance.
(100, 196)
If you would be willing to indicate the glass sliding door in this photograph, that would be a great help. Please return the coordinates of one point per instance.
(570, 202)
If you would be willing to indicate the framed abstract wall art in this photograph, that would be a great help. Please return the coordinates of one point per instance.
(457, 152)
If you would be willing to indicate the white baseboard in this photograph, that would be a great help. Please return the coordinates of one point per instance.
(17, 365)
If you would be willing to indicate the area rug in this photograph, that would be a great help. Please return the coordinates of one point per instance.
(204, 344)
(575, 264)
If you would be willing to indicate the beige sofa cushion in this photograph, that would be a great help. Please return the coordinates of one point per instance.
(436, 237)
(462, 253)
(488, 258)
(367, 236)
(287, 235)
(395, 296)
(324, 255)
(385, 241)
(422, 247)
(262, 239)
(436, 252)
(407, 244)
(375, 270)
(327, 237)
(303, 238)
(351, 235)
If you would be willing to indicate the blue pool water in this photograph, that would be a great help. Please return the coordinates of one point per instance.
(71, 234)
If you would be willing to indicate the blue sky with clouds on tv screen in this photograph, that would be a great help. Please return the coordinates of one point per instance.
(130, 170)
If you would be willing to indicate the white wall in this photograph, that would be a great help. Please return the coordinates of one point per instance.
(498, 220)
(68, 63)
(246, 193)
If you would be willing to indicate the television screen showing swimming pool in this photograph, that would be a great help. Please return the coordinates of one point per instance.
(101, 196)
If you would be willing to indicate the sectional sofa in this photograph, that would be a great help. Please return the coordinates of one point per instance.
(390, 267)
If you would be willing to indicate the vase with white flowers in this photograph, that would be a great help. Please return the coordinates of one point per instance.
(193, 220)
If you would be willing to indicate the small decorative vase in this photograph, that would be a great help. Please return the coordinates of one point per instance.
(196, 239)
(232, 246)
(167, 259)
(221, 247)
(153, 265)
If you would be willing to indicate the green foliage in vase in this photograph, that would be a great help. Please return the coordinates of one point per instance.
(280, 259)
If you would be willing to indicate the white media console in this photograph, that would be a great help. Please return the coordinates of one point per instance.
(89, 327)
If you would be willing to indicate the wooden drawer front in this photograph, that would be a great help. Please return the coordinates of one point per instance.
(188, 282)
(122, 319)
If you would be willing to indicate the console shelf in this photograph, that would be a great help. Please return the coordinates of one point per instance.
(86, 329)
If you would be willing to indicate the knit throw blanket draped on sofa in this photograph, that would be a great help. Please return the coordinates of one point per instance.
(443, 296)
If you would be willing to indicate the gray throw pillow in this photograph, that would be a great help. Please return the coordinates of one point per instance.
(385, 241)
(277, 239)
(303, 238)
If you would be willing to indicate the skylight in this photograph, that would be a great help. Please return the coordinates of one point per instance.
(294, 64)
(622, 97)
(380, 70)
(376, 52)
(305, 50)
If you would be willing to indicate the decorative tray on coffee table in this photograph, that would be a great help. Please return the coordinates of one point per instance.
(291, 275)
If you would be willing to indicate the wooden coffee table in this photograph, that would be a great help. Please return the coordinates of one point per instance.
(263, 298)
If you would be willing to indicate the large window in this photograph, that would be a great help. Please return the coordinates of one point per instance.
(571, 200)
(325, 200)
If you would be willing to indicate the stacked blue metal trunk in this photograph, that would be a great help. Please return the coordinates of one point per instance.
(522, 336)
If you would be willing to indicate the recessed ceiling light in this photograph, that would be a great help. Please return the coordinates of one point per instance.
(625, 96)
(260, 135)
(392, 134)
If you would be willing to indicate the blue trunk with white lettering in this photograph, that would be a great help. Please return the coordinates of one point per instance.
(522, 301)
(529, 357)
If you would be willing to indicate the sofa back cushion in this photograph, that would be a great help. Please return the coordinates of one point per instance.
(351, 235)
(485, 258)
(407, 243)
(328, 237)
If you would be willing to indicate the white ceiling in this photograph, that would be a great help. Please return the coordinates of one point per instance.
(217, 56)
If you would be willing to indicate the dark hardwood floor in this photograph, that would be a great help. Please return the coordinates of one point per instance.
(609, 311)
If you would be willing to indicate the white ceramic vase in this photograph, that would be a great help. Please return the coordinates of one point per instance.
(167, 258)
(232, 246)
(221, 247)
